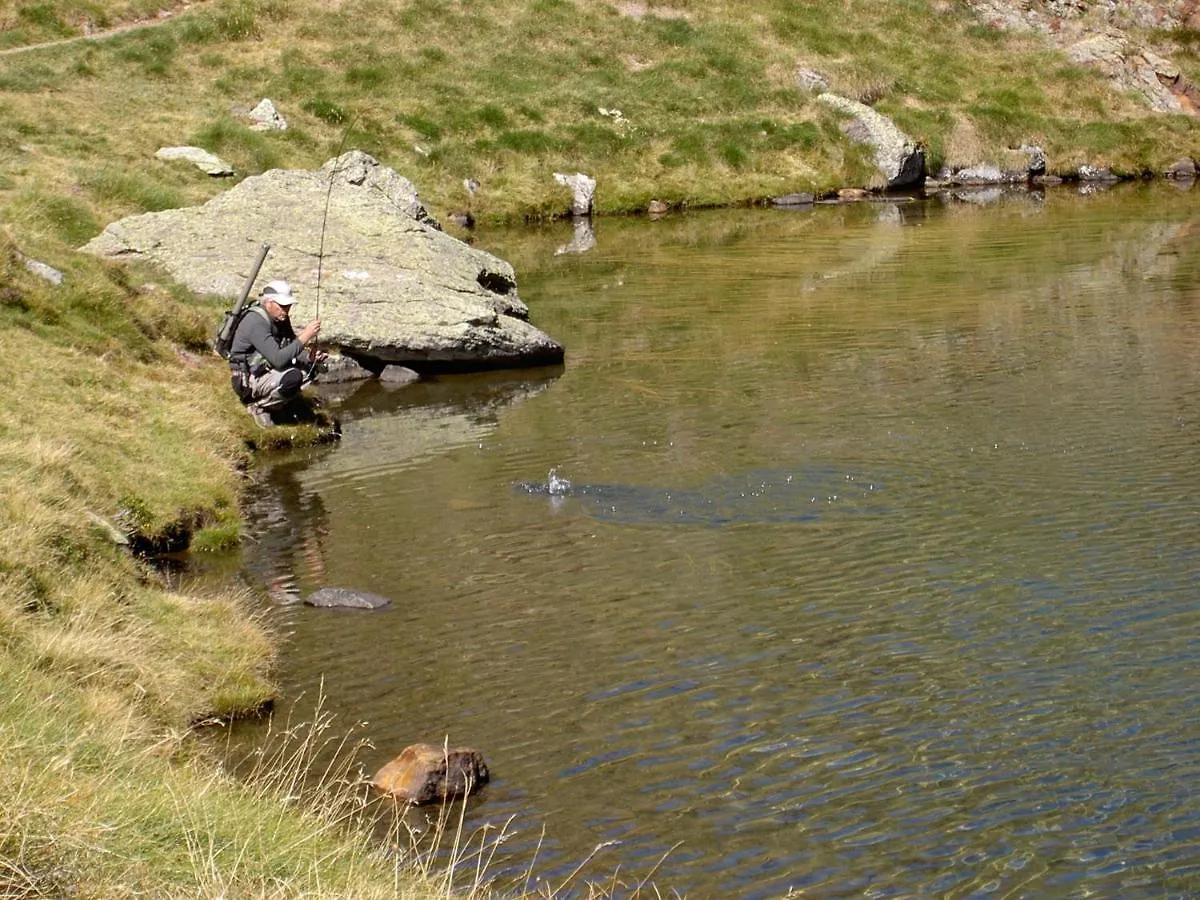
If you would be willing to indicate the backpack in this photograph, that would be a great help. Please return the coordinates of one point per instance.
(223, 341)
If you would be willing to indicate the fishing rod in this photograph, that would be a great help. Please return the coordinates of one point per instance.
(333, 171)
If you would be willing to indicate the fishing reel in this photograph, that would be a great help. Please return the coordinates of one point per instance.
(318, 365)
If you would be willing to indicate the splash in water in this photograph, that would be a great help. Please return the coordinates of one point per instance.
(555, 485)
(804, 495)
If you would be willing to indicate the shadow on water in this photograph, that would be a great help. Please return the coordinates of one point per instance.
(479, 395)
(391, 428)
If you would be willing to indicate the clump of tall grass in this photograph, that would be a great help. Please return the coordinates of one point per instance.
(138, 192)
(315, 767)
(248, 149)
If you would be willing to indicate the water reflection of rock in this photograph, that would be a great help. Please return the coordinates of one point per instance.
(582, 240)
(387, 427)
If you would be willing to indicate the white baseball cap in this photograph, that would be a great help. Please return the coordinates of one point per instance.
(279, 291)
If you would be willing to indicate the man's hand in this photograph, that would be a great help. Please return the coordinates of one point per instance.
(310, 331)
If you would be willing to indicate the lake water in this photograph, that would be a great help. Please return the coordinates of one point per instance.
(877, 575)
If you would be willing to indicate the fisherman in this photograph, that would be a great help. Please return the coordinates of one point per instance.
(268, 361)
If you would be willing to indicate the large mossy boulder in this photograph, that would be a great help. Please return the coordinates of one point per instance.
(394, 288)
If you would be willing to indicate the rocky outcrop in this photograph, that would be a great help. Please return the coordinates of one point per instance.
(811, 80)
(1110, 37)
(898, 157)
(42, 270)
(394, 288)
(423, 773)
(1009, 166)
(265, 117)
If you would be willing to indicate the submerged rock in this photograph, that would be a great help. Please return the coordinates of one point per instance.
(394, 288)
(346, 599)
(423, 773)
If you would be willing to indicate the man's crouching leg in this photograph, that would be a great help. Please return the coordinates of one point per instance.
(272, 390)
(259, 414)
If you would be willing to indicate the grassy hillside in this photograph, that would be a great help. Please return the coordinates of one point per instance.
(507, 93)
(116, 422)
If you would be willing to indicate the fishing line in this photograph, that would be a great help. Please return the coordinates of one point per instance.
(325, 218)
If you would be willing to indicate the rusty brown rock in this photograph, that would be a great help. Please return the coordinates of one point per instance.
(423, 773)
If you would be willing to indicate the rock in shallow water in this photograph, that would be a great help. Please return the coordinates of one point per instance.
(345, 598)
(423, 773)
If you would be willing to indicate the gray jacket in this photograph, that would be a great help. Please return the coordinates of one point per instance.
(259, 340)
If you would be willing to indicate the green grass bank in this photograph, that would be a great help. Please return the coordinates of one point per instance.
(117, 422)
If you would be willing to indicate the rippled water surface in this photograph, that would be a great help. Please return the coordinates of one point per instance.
(876, 573)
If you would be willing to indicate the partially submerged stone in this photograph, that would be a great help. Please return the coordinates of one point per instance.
(1097, 173)
(800, 198)
(345, 598)
(398, 375)
(206, 162)
(423, 773)
(985, 173)
(341, 369)
(1182, 169)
